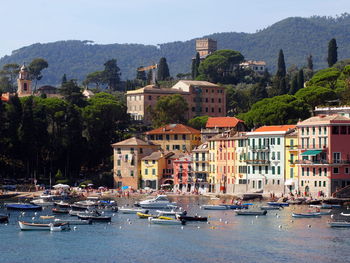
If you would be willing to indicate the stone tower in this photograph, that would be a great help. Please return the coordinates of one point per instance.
(205, 46)
(24, 82)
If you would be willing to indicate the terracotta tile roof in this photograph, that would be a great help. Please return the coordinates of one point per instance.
(133, 142)
(222, 122)
(157, 155)
(154, 89)
(198, 83)
(275, 128)
(325, 119)
(174, 129)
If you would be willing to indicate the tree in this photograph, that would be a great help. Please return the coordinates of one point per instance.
(281, 65)
(300, 79)
(315, 95)
(169, 109)
(258, 92)
(141, 75)
(293, 85)
(325, 77)
(64, 79)
(35, 68)
(198, 122)
(71, 92)
(332, 52)
(8, 76)
(149, 77)
(111, 74)
(163, 70)
(195, 66)
(310, 63)
(94, 78)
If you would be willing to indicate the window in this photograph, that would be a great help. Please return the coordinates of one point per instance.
(325, 130)
(320, 183)
(212, 100)
(153, 171)
(119, 173)
(219, 100)
(315, 183)
(278, 182)
(313, 130)
(335, 130)
(336, 157)
(219, 109)
(291, 172)
(302, 171)
(131, 173)
(320, 171)
(324, 183)
(314, 171)
(153, 162)
(175, 137)
(167, 147)
(313, 143)
(278, 169)
(346, 170)
(307, 171)
(325, 171)
(184, 136)
(184, 147)
(335, 170)
(212, 109)
(119, 151)
(253, 169)
(266, 169)
(319, 130)
(118, 162)
(273, 169)
(206, 109)
(193, 109)
(278, 156)
(146, 171)
(343, 130)
(302, 131)
(302, 183)
(149, 97)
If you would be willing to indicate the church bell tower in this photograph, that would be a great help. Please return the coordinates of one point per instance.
(24, 82)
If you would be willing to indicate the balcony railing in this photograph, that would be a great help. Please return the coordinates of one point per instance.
(322, 161)
(259, 148)
(258, 162)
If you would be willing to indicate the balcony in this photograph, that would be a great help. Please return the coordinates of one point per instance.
(258, 162)
(322, 162)
(256, 148)
(200, 160)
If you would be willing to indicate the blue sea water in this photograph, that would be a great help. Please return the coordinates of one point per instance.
(240, 239)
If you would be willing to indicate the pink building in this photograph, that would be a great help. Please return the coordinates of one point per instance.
(183, 179)
(324, 154)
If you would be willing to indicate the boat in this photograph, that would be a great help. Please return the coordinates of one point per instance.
(306, 215)
(322, 213)
(251, 213)
(294, 202)
(38, 226)
(326, 206)
(160, 202)
(339, 224)
(42, 202)
(236, 206)
(7, 196)
(170, 213)
(54, 227)
(313, 202)
(75, 213)
(74, 222)
(62, 204)
(95, 218)
(144, 216)
(132, 210)
(343, 214)
(214, 207)
(165, 222)
(278, 203)
(23, 207)
(270, 207)
(59, 211)
(4, 218)
(192, 218)
(47, 217)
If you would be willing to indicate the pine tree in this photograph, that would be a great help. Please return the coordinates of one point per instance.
(332, 52)
(300, 79)
(195, 66)
(310, 63)
(163, 70)
(141, 75)
(111, 74)
(281, 66)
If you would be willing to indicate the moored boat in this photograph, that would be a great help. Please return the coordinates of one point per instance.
(236, 206)
(323, 213)
(278, 203)
(59, 211)
(23, 207)
(42, 202)
(74, 222)
(251, 213)
(192, 218)
(125, 210)
(165, 222)
(62, 204)
(343, 214)
(170, 213)
(47, 217)
(306, 215)
(160, 202)
(95, 218)
(54, 227)
(269, 207)
(4, 218)
(214, 207)
(339, 224)
(38, 226)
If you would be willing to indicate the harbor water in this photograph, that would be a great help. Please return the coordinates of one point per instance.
(276, 237)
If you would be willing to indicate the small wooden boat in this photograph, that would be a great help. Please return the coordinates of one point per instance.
(132, 210)
(59, 211)
(42, 202)
(339, 224)
(322, 213)
(214, 207)
(326, 206)
(251, 213)
(54, 227)
(236, 206)
(269, 207)
(62, 204)
(95, 218)
(192, 218)
(343, 214)
(47, 217)
(278, 203)
(36, 226)
(306, 215)
(23, 207)
(74, 222)
(4, 218)
(165, 222)
(145, 216)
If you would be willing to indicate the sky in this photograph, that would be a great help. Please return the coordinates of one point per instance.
(25, 22)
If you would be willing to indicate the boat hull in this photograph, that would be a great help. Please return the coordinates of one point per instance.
(310, 215)
(270, 207)
(339, 224)
(251, 213)
(277, 204)
(214, 207)
(95, 218)
(23, 207)
(165, 222)
(25, 226)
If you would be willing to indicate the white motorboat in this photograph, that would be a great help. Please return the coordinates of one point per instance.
(43, 202)
(54, 227)
(74, 222)
(160, 202)
(343, 214)
(62, 204)
(215, 207)
(165, 222)
(339, 224)
(125, 210)
(37, 226)
(169, 213)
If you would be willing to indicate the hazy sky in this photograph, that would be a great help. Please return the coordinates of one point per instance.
(24, 22)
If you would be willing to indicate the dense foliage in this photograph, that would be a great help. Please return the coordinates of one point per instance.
(298, 37)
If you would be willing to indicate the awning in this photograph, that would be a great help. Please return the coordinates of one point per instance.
(311, 152)
(289, 182)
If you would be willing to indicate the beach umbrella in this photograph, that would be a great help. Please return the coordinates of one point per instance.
(125, 187)
(64, 186)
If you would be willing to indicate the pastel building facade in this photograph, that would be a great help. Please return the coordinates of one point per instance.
(183, 174)
(200, 157)
(266, 159)
(324, 154)
(291, 170)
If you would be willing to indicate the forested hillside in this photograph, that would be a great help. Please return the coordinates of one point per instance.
(298, 37)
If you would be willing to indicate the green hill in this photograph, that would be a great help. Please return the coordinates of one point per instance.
(298, 37)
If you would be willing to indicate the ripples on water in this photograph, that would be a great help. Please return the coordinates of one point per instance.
(240, 239)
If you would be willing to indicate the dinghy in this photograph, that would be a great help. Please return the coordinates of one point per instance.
(251, 213)
(59, 211)
(278, 204)
(214, 207)
(339, 224)
(343, 214)
(306, 215)
(54, 227)
(95, 218)
(23, 207)
(132, 210)
(4, 218)
(37, 226)
(169, 213)
(74, 222)
(268, 207)
(192, 218)
(165, 222)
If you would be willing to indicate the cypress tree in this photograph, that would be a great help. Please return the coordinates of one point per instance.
(195, 66)
(293, 85)
(300, 79)
(310, 64)
(64, 80)
(332, 52)
(281, 66)
(141, 75)
(163, 69)
(149, 77)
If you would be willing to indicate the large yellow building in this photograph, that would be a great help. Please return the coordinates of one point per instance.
(291, 171)
(175, 137)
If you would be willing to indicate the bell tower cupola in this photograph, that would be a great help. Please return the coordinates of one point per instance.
(24, 82)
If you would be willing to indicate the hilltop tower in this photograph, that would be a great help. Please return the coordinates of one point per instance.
(205, 46)
(24, 82)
